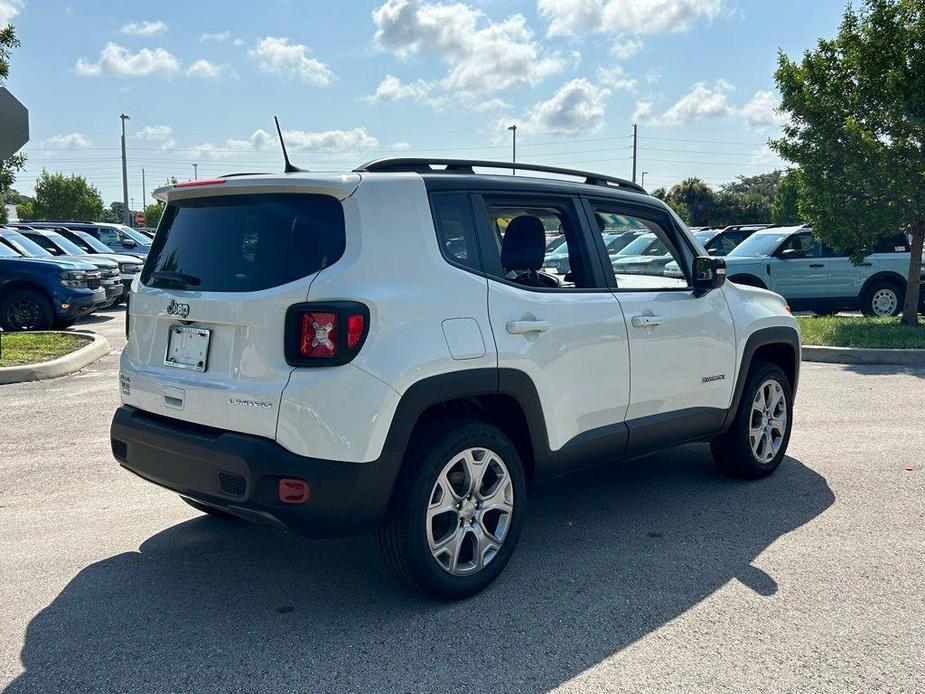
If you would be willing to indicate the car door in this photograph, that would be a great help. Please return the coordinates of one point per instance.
(565, 332)
(798, 270)
(681, 343)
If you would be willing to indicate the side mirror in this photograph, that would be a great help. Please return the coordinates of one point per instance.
(129, 243)
(708, 273)
(791, 254)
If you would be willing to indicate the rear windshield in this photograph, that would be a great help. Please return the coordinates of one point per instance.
(244, 243)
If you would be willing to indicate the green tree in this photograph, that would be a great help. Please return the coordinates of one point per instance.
(786, 206)
(153, 214)
(66, 198)
(697, 197)
(24, 211)
(857, 131)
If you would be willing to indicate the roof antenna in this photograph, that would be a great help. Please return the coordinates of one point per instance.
(289, 168)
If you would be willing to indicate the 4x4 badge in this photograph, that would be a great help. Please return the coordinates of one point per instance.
(178, 310)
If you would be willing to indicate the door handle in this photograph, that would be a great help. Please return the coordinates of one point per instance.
(866, 264)
(646, 321)
(522, 327)
(817, 265)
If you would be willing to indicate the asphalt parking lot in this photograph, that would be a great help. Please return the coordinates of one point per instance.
(654, 575)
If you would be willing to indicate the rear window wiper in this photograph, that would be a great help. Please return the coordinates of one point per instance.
(177, 277)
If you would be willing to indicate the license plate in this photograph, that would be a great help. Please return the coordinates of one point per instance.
(187, 348)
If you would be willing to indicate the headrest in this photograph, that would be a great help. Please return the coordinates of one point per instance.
(524, 244)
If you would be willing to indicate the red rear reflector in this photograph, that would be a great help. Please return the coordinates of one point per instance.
(318, 339)
(292, 491)
(355, 326)
(203, 182)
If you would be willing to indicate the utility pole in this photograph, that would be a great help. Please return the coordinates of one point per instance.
(195, 172)
(144, 190)
(634, 152)
(643, 184)
(125, 210)
(513, 129)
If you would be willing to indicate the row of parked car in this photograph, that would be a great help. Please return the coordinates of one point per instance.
(55, 273)
(785, 259)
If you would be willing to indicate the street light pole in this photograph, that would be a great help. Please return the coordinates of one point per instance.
(195, 172)
(125, 210)
(644, 178)
(144, 190)
(513, 129)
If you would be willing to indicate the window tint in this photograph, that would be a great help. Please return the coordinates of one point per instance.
(892, 244)
(538, 245)
(244, 242)
(648, 259)
(800, 246)
(455, 229)
(109, 237)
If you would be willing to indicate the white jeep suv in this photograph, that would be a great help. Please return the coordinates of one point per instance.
(380, 350)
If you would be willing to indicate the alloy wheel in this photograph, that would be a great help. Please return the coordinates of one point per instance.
(884, 302)
(768, 422)
(470, 511)
(24, 314)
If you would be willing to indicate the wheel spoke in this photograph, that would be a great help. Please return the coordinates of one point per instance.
(500, 498)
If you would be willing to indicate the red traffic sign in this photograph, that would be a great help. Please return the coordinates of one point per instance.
(139, 219)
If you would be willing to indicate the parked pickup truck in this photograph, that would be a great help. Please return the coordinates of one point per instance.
(40, 293)
(814, 277)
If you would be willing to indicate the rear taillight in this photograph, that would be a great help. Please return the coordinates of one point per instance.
(325, 334)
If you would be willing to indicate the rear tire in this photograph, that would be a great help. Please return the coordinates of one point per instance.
(882, 299)
(755, 444)
(25, 309)
(218, 513)
(458, 510)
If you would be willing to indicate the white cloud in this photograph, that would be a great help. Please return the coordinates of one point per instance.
(9, 9)
(218, 37)
(701, 103)
(401, 146)
(393, 89)
(119, 61)
(624, 20)
(615, 76)
(482, 55)
(144, 28)
(276, 56)
(69, 141)
(765, 156)
(154, 132)
(162, 134)
(576, 106)
(644, 112)
(260, 140)
(210, 71)
(761, 112)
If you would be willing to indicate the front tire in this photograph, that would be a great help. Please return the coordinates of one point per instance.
(24, 309)
(882, 299)
(458, 510)
(756, 443)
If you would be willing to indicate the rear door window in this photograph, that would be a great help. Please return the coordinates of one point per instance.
(244, 243)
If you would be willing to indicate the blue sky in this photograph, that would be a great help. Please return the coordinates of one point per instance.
(362, 79)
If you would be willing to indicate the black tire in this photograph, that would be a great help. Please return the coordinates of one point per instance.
(25, 309)
(878, 289)
(218, 513)
(733, 451)
(403, 537)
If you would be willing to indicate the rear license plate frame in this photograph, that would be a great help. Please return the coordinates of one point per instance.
(188, 330)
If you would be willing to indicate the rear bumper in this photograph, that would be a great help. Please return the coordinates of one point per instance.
(240, 473)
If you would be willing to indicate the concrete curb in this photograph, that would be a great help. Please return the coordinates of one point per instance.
(859, 355)
(69, 363)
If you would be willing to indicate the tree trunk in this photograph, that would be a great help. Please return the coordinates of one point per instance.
(911, 306)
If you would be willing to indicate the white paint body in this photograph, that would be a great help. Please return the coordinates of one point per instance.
(591, 367)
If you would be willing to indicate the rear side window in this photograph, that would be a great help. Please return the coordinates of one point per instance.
(244, 243)
(455, 229)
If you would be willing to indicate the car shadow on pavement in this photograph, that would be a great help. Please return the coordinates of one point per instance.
(607, 556)
(885, 369)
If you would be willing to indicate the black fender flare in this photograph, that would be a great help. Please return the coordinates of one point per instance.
(762, 337)
(883, 276)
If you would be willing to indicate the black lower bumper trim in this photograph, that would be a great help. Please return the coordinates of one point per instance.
(240, 473)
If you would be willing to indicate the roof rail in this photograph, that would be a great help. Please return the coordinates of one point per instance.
(425, 165)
